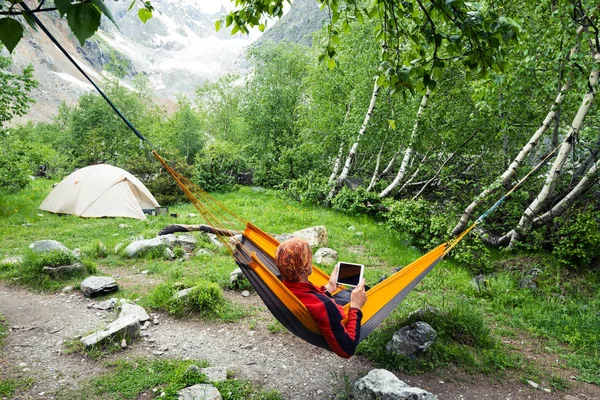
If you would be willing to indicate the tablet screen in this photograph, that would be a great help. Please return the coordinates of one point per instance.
(350, 274)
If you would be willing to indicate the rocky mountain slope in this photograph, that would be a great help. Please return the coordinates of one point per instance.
(178, 49)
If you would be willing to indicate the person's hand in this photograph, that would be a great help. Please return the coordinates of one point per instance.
(332, 285)
(358, 297)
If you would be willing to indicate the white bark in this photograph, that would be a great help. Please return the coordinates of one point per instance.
(510, 172)
(409, 151)
(559, 208)
(336, 164)
(352, 153)
(553, 174)
(376, 175)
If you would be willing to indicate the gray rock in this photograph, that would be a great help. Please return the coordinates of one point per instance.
(169, 255)
(480, 283)
(245, 293)
(192, 215)
(528, 283)
(67, 289)
(421, 312)
(124, 343)
(326, 256)
(94, 285)
(214, 240)
(534, 272)
(77, 252)
(381, 384)
(182, 294)
(140, 247)
(106, 305)
(200, 391)
(186, 242)
(351, 228)
(124, 226)
(410, 340)
(135, 311)
(12, 260)
(359, 233)
(283, 237)
(44, 246)
(123, 328)
(316, 236)
(533, 384)
(63, 270)
(233, 240)
(204, 252)
(236, 277)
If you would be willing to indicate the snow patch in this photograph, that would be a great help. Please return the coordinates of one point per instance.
(71, 79)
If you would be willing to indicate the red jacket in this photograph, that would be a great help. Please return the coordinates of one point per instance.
(341, 336)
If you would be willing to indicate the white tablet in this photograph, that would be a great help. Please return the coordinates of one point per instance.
(350, 274)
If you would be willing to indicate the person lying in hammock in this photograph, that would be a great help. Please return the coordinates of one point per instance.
(342, 333)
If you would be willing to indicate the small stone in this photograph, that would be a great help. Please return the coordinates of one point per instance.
(124, 226)
(124, 343)
(547, 390)
(145, 272)
(192, 215)
(245, 293)
(158, 353)
(155, 321)
(68, 289)
(145, 326)
(22, 364)
(533, 384)
(359, 233)
(351, 228)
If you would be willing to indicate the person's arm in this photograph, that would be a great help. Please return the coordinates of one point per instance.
(343, 339)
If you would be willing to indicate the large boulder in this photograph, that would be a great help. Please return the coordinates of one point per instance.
(95, 285)
(126, 328)
(380, 384)
(326, 256)
(45, 246)
(412, 339)
(316, 236)
(201, 391)
(186, 242)
(140, 247)
(237, 278)
(12, 260)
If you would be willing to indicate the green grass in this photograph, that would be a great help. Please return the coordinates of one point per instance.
(141, 378)
(562, 313)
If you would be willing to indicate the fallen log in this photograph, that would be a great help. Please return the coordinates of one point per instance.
(195, 228)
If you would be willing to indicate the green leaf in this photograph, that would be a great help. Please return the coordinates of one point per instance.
(228, 20)
(63, 6)
(218, 25)
(331, 63)
(11, 32)
(391, 124)
(144, 14)
(261, 27)
(84, 20)
(131, 5)
(104, 10)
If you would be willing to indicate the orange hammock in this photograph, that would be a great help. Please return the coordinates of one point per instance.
(255, 255)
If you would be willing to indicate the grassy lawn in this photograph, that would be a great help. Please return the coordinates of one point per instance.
(479, 330)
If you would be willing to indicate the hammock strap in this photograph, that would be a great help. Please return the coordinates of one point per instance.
(57, 44)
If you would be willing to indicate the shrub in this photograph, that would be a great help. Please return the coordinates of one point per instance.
(311, 188)
(218, 165)
(413, 218)
(578, 241)
(206, 297)
(357, 201)
(160, 183)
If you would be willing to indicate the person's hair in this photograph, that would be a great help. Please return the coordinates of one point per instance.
(293, 258)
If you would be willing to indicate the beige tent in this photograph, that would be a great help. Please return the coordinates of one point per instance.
(100, 191)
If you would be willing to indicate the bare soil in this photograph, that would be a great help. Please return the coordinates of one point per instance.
(41, 323)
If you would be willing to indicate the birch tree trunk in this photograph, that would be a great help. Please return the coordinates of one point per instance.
(553, 174)
(339, 182)
(559, 208)
(510, 172)
(376, 175)
(409, 151)
(336, 164)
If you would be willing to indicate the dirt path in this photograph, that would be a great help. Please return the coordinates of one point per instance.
(42, 322)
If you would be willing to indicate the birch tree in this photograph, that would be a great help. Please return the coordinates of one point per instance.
(409, 150)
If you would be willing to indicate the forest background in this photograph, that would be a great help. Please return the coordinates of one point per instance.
(423, 133)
